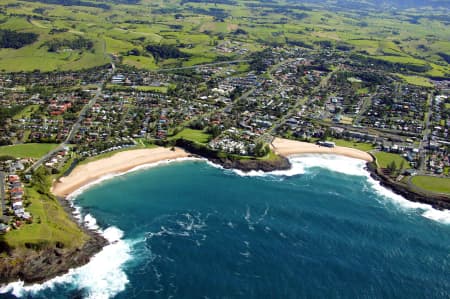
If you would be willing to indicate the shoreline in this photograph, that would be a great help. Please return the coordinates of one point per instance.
(118, 163)
(287, 147)
(85, 175)
(122, 162)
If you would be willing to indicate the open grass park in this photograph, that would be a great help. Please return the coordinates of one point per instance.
(27, 150)
(385, 159)
(431, 183)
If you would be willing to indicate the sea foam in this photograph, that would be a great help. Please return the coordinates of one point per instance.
(303, 163)
(102, 277)
(350, 166)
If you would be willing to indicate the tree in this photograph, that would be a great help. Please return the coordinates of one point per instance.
(214, 131)
(261, 149)
(392, 167)
(16, 40)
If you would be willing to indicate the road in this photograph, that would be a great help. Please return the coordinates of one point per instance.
(426, 133)
(75, 127)
(2, 194)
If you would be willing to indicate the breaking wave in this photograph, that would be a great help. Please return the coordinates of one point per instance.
(354, 167)
(102, 277)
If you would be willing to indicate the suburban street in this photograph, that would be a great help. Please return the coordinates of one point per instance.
(2, 192)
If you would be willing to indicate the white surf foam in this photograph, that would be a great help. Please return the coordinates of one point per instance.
(427, 211)
(102, 277)
(159, 163)
(299, 165)
(350, 166)
(90, 222)
(335, 163)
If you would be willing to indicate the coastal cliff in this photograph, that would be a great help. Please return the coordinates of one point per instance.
(36, 265)
(437, 201)
(275, 162)
(246, 165)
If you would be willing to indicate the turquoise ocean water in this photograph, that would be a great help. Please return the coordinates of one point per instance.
(321, 230)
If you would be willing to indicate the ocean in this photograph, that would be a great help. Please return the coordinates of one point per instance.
(189, 229)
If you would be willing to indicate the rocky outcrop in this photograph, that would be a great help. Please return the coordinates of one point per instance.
(437, 201)
(36, 265)
(246, 165)
(235, 162)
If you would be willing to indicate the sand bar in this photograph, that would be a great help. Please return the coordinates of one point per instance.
(286, 147)
(118, 163)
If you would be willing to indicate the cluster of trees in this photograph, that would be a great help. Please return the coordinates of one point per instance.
(445, 56)
(394, 169)
(58, 30)
(165, 52)
(226, 2)
(394, 67)
(16, 40)
(75, 44)
(6, 113)
(219, 14)
(239, 31)
(76, 3)
(261, 149)
(259, 60)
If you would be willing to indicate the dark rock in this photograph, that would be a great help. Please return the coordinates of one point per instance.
(246, 165)
(37, 266)
(437, 201)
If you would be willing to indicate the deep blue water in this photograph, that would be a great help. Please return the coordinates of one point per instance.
(194, 231)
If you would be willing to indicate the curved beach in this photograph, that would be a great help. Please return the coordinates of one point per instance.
(286, 147)
(118, 163)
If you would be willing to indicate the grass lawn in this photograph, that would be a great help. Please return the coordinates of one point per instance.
(51, 224)
(357, 145)
(193, 135)
(434, 184)
(26, 112)
(27, 150)
(416, 80)
(160, 89)
(384, 159)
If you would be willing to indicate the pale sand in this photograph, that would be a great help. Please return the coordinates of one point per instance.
(286, 147)
(118, 163)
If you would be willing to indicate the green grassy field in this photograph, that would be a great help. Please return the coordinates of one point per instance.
(357, 145)
(51, 224)
(27, 150)
(192, 135)
(197, 31)
(384, 159)
(434, 184)
(416, 80)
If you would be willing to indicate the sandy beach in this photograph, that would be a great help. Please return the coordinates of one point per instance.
(286, 147)
(118, 163)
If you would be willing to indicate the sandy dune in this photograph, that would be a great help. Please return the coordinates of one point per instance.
(286, 147)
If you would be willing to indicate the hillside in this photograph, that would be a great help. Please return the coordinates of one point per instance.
(406, 35)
